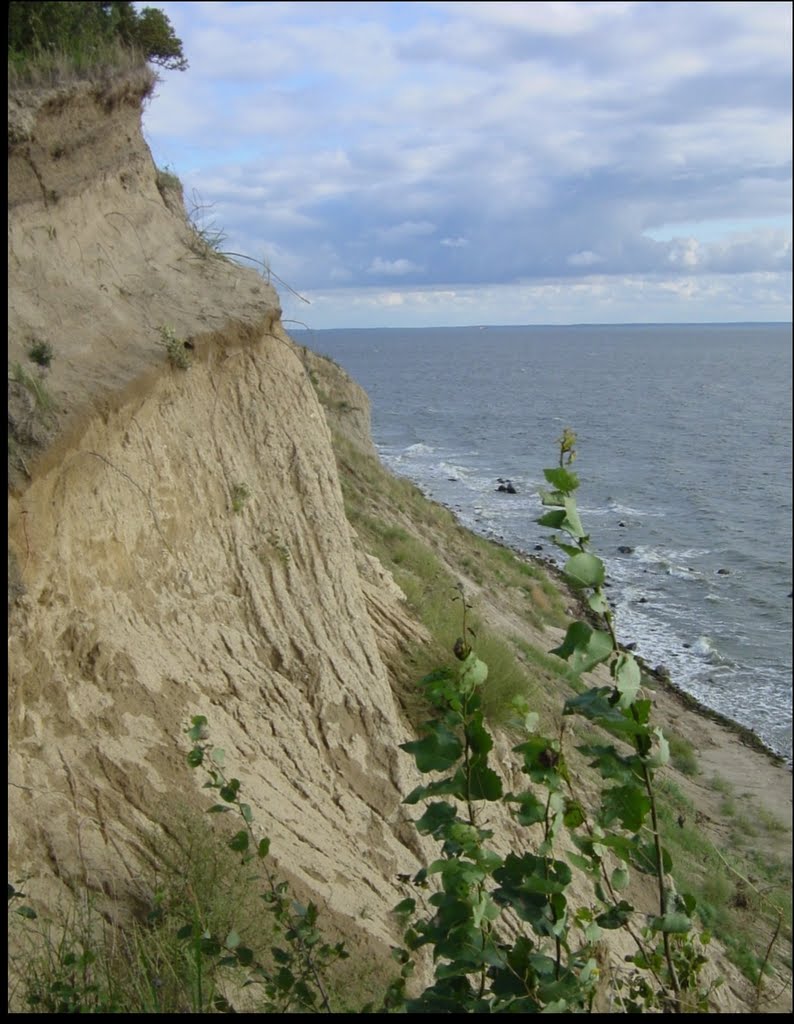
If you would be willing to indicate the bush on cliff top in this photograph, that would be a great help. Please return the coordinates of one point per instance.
(87, 30)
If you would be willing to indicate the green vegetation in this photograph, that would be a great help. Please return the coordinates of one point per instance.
(85, 35)
(682, 755)
(31, 412)
(176, 348)
(208, 237)
(41, 353)
(240, 495)
(167, 180)
(152, 962)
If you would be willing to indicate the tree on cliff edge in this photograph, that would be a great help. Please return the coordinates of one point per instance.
(84, 29)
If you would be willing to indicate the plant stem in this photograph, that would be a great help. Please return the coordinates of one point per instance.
(668, 953)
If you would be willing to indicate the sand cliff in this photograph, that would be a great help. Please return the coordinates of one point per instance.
(150, 594)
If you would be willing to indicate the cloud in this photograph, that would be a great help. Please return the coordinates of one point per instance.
(586, 258)
(392, 268)
(486, 145)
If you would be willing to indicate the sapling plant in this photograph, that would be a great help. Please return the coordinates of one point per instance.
(504, 935)
(294, 979)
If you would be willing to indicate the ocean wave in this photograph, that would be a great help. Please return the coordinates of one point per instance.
(418, 449)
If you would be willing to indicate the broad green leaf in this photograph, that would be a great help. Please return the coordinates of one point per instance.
(592, 932)
(229, 791)
(554, 499)
(676, 921)
(218, 755)
(479, 739)
(195, 757)
(629, 804)
(542, 761)
(436, 751)
(484, 909)
(263, 849)
(209, 946)
(232, 940)
(623, 847)
(441, 685)
(27, 912)
(594, 705)
(198, 730)
(616, 916)
(484, 783)
(660, 751)
(531, 810)
(219, 809)
(574, 814)
(239, 841)
(582, 863)
(404, 907)
(452, 786)
(584, 647)
(584, 570)
(569, 549)
(436, 820)
(598, 603)
(626, 673)
(610, 763)
(553, 519)
(572, 523)
(645, 858)
(473, 673)
(562, 479)
(522, 717)
(620, 878)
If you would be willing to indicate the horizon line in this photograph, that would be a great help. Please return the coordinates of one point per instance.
(580, 323)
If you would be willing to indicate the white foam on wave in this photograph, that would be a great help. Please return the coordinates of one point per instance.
(418, 449)
(450, 469)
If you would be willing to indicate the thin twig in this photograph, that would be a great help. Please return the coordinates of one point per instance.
(138, 487)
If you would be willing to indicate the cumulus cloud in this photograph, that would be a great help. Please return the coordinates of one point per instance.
(392, 268)
(585, 258)
(482, 144)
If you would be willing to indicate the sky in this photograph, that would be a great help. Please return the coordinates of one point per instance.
(441, 164)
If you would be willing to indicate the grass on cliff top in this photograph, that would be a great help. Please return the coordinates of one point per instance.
(103, 65)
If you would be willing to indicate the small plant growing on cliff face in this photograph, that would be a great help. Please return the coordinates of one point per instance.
(209, 238)
(240, 495)
(41, 353)
(297, 978)
(167, 180)
(176, 348)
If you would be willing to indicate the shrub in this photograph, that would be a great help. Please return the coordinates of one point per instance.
(41, 353)
(240, 495)
(87, 31)
(176, 348)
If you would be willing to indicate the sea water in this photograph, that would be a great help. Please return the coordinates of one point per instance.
(684, 457)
